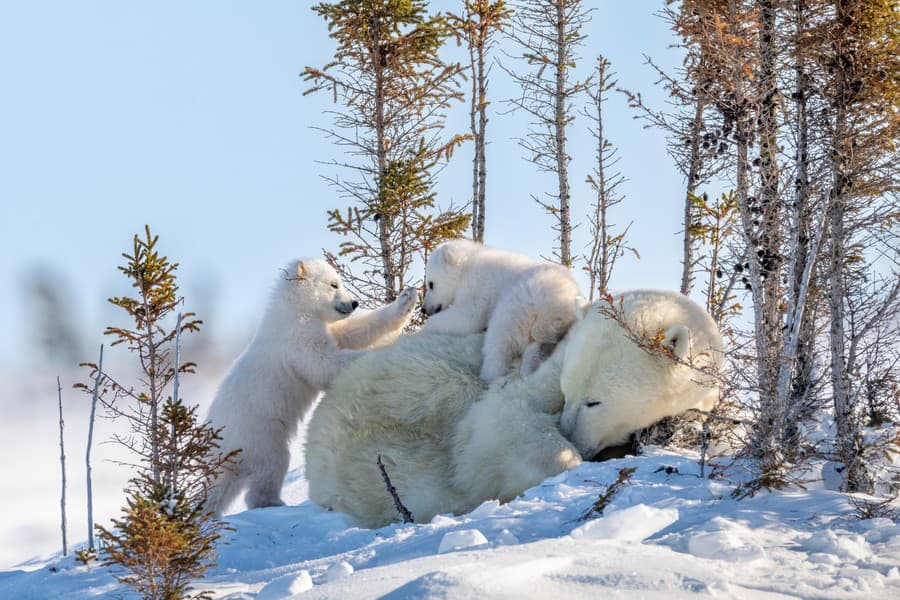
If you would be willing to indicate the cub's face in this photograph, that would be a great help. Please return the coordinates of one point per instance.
(317, 290)
(441, 280)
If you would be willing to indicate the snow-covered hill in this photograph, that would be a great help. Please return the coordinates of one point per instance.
(668, 533)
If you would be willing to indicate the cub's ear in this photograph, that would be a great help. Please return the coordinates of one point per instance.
(452, 254)
(301, 271)
(582, 307)
(678, 339)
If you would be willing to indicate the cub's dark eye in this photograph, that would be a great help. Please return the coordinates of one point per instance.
(334, 285)
(430, 285)
(591, 404)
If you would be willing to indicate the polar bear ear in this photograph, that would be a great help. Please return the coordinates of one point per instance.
(677, 338)
(452, 254)
(582, 307)
(301, 271)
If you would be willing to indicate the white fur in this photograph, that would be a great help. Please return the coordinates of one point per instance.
(448, 444)
(522, 303)
(603, 366)
(302, 342)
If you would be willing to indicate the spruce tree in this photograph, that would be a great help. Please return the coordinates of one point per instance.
(394, 87)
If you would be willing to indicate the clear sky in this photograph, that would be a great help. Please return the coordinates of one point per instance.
(190, 116)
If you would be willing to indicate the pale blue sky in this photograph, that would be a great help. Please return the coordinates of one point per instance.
(190, 116)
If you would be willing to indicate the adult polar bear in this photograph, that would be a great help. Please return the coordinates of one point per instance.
(306, 336)
(449, 444)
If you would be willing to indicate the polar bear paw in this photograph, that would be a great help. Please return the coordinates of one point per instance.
(407, 300)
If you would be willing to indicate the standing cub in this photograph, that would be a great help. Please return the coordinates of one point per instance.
(527, 306)
(302, 342)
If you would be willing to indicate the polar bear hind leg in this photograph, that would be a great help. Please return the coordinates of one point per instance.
(265, 478)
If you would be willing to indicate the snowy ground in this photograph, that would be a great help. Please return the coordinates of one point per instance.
(667, 534)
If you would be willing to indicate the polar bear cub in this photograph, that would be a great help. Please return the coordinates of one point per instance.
(525, 305)
(304, 339)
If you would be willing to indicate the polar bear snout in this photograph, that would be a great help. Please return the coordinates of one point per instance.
(432, 310)
(346, 307)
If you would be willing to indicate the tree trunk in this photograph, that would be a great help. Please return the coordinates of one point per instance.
(687, 259)
(473, 126)
(799, 404)
(480, 139)
(603, 275)
(87, 456)
(562, 59)
(846, 413)
(62, 466)
(384, 219)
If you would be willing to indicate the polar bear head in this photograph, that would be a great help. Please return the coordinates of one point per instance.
(443, 272)
(312, 287)
(613, 386)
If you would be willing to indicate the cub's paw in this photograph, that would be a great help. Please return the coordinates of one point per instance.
(407, 300)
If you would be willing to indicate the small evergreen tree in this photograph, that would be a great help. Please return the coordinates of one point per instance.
(389, 76)
(165, 539)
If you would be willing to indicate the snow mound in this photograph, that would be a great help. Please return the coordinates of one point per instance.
(286, 586)
(634, 523)
(724, 545)
(506, 538)
(851, 547)
(338, 571)
(727, 541)
(462, 539)
(526, 580)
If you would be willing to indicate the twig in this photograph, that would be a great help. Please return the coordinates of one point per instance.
(704, 444)
(401, 508)
(87, 458)
(600, 503)
(709, 415)
(62, 466)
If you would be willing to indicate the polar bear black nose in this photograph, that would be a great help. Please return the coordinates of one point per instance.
(354, 304)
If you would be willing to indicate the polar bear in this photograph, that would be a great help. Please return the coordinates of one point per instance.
(448, 444)
(525, 306)
(306, 336)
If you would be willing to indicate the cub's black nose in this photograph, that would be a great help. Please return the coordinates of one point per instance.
(354, 304)
(424, 310)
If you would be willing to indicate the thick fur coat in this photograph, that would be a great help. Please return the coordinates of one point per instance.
(449, 444)
(525, 306)
(306, 336)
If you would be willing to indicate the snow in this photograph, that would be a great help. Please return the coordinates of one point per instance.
(665, 535)
(339, 570)
(287, 586)
(628, 524)
(463, 539)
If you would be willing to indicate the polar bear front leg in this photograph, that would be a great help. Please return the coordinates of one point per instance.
(506, 338)
(378, 327)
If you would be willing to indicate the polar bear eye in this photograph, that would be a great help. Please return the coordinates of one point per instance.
(430, 285)
(591, 404)
(334, 285)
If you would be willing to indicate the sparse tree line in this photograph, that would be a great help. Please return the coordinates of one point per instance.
(791, 104)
